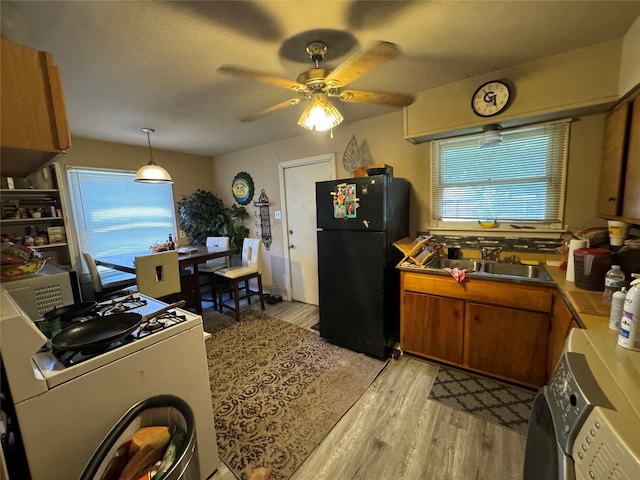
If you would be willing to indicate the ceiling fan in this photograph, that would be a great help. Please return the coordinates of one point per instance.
(318, 82)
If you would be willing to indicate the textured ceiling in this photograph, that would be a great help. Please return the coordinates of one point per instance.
(131, 64)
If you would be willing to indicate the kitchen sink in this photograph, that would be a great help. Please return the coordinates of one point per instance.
(488, 268)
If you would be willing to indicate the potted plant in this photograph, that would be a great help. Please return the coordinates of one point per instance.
(203, 214)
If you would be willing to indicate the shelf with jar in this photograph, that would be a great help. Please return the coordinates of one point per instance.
(34, 217)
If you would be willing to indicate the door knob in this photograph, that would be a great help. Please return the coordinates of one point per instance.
(290, 231)
(291, 246)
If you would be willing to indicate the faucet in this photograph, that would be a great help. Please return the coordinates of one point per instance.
(491, 253)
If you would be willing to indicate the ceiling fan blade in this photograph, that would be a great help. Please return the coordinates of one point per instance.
(263, 77)
(271, 109)
(381, 98)
(362, 63)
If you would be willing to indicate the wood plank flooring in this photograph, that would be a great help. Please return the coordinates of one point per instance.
(394, 432)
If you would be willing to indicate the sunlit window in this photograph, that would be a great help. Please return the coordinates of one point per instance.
(114, 215)
(521, 179)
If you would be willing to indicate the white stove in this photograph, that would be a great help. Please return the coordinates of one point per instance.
(67, 402)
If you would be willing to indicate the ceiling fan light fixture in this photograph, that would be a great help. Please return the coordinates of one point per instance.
(152, 172)
(490, 136)
(321, 115)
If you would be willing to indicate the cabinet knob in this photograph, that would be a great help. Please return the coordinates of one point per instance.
(612, 199)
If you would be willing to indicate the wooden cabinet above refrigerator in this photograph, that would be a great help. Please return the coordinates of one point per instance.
(34, 130)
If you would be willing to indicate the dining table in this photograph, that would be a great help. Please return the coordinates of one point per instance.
(188, 259)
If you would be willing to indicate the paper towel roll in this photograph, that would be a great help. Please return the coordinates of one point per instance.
(574, 245)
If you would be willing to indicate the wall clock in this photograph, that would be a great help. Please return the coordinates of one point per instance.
(490, 99)
(242, 188)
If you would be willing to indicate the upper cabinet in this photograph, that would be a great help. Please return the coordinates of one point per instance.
(33, 129)
(620, 172)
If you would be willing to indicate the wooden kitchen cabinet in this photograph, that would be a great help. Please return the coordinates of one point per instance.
(507, 343)
(438, 329)
(562, 321)
(631, 203)
(497, 328)
(33, 129)
(619, 196)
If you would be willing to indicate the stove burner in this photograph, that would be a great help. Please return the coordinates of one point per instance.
(153, 326)
(122, 304)
(147, 327)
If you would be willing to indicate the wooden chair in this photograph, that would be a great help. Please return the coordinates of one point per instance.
(208, 269)
(249, 270)
(119, 283)
(158, 274)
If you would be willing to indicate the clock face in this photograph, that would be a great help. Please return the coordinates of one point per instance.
(242, 188)
(490, 99)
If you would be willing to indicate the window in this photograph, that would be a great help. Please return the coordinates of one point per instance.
(114, 215)
(521, 179)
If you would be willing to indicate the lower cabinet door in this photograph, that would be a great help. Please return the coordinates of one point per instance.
(432, 326)
(507, 343)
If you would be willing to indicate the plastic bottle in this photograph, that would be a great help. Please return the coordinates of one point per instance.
(613, 281)
(172, 246)
(617, 304)
(629, 336)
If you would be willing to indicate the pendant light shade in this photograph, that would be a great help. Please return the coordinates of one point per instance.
(491, 135)
(321, 115)
(151, 172)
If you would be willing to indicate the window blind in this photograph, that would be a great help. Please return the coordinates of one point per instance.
(114, 215)
(522, 179)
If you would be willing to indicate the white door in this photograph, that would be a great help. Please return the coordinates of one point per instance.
(298, 186)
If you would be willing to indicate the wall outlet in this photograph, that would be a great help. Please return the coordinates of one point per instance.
(182, 234)
(278, 215)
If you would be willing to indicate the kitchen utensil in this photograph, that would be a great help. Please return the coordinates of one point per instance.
(68, 312)
(99, 332)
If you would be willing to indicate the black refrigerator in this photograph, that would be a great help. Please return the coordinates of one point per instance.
(358, 220)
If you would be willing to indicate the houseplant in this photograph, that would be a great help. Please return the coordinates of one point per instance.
(203, 214)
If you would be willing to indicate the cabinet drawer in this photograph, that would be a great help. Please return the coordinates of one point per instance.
(485, 291)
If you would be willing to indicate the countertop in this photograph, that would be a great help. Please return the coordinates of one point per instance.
(589, 320)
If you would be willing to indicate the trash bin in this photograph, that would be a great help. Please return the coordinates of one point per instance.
(161, 410)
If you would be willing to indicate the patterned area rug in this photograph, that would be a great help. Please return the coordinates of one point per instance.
(278, 389)
(489, 400)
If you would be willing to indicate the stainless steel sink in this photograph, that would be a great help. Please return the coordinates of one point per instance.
(515, 270)
(441, 263)
(488, 268)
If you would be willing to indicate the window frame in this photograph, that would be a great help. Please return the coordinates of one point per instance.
(168, 219)
(436, 223)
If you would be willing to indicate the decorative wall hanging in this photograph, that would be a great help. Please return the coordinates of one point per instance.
(351, 158)
(242, 188)
(263, 216)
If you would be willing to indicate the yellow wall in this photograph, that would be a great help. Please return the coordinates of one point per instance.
(630, 62)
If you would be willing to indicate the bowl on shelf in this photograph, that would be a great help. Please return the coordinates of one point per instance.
(14, 272)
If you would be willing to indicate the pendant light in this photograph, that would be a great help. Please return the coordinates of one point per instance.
(321, 115)
(490, 136)
(152, 173)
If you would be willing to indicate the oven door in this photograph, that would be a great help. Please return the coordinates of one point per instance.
(543, 456)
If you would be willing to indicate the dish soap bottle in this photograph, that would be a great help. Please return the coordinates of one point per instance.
(629, 336)
(613, 281)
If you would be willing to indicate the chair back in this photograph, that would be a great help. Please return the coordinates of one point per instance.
(93, 272)
(218, 244)
(251, 253)
(158, 274)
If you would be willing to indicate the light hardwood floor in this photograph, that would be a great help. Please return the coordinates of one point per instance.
(394, 432)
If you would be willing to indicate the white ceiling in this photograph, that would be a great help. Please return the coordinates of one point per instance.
(132, 64)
